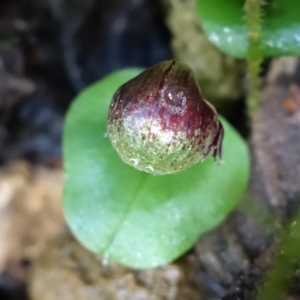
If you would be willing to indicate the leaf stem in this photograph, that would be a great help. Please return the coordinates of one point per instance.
(253, 13)
(287, 260)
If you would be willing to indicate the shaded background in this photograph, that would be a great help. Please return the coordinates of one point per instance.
(50, 50)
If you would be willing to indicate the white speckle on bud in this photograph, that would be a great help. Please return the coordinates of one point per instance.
(134, 161)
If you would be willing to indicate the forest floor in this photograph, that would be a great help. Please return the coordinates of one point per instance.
(49, 51)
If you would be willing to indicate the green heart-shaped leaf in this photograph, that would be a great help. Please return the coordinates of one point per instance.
(130, 216)
(224, 23)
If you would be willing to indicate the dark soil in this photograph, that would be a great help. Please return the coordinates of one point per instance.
(50, 50)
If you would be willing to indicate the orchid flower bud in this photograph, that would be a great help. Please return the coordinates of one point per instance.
(159, 122)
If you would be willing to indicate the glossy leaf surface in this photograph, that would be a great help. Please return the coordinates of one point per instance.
(224, 23)
(130, 216)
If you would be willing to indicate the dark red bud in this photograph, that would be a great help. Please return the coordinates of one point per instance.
(159, 122)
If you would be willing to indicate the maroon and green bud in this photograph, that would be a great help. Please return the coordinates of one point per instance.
(159, 122)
